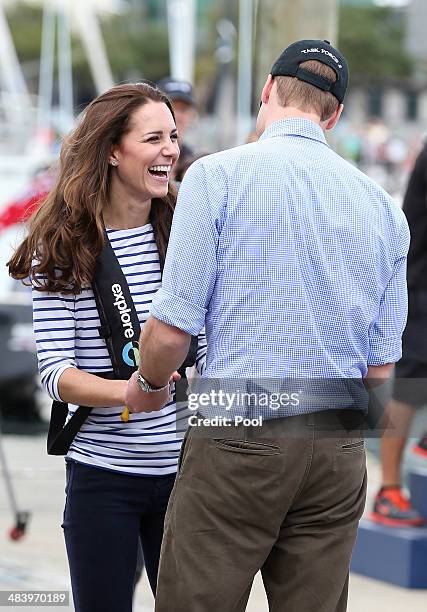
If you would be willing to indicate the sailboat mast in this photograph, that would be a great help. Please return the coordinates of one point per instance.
(181, 29)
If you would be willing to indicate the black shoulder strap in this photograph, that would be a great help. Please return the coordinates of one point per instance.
(190, 360)
(60, 435)
(120, 325)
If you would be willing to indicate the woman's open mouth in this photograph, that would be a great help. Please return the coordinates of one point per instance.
(160, 172)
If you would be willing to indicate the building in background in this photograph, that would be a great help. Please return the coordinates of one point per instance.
(400, 101)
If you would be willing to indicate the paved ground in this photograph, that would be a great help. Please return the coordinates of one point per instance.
(38, 561)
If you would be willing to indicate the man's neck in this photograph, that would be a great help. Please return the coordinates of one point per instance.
(289, 112)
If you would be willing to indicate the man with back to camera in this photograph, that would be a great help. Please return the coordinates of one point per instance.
(295, 262)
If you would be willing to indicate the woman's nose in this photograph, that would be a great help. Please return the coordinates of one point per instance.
(171, 149)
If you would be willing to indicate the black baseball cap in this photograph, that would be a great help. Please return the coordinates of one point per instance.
(288, 64)
(177, 90)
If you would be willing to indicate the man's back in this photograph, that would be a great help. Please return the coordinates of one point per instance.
(305, 248)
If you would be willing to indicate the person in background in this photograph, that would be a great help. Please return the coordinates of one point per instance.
(114, 177)
(296, 263)
(391, 506)
(184, 106)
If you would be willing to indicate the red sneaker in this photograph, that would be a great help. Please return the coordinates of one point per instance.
(393, 508)
(421, 447)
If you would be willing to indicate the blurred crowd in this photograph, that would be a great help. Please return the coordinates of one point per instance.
(380, 152)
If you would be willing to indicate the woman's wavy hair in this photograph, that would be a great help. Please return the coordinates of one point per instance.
(66, 233)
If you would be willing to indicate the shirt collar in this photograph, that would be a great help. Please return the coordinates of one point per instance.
(295, 126)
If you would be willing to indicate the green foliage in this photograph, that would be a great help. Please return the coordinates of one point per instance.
(136, 50)
(206, 65)
(136, 42)
(25, 23)
(372, 39)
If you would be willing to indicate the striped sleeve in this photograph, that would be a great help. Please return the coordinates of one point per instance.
(54, 328)
(202, 347)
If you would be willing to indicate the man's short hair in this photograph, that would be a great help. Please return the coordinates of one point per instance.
(308, 98)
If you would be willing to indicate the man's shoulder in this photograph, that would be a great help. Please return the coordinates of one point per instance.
(370, 185)
(228, 155)
(219, 167)
(370, 194)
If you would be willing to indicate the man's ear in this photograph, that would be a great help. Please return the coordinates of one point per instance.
(332, 121)
(266, 90)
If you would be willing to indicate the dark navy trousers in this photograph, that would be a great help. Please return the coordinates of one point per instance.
(105, 515)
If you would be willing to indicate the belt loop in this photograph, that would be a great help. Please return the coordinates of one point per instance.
(310, 419)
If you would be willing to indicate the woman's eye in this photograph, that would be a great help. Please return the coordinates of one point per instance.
(174, 137)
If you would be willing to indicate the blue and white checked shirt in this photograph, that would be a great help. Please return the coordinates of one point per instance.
(293, 259)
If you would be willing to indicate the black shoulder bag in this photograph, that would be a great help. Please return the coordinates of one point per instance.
(120, 328)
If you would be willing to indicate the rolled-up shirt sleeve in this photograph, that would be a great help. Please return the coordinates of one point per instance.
(191, 263)
(385, 334)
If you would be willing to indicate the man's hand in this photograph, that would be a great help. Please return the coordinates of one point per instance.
(138, 400)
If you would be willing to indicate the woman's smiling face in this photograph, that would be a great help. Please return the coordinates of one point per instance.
(143, 160)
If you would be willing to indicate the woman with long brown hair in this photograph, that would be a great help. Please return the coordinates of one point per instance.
(113, 181)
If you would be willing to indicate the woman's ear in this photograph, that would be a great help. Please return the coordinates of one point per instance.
(113, 158)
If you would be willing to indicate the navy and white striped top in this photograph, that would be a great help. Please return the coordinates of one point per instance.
(66, 329)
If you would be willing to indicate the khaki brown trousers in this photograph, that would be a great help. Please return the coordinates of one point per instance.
(285, 499)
